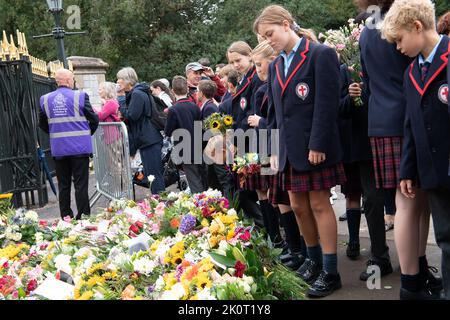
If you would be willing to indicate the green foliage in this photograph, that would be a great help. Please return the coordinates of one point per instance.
(160, 37)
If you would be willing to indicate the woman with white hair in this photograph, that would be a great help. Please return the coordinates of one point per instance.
(144, 137)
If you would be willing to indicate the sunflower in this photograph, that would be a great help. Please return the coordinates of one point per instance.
(202, 281)
(215, 125)
(228, 120)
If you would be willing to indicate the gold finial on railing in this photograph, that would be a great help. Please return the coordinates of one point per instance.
(13, 49)
(25, 46)
(69, 62)
(19, 43)
(5, 44)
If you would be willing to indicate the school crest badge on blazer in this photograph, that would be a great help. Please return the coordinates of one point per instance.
(243, 103)
(443, 93)
(302, 90)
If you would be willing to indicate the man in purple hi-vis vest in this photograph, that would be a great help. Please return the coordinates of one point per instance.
(67, 116)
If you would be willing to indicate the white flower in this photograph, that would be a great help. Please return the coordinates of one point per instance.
(168, 295)
(121, 259)
(223, 247)
(83, 252)
(246, 287)
(151, 178)
(32, 216)
(172, 196)
(205, 294)
(159, 284)
(144, 265)
(232, 212)
(248, 280)
(39, 237)
(179, 291)
(89, 262)
(62, 263)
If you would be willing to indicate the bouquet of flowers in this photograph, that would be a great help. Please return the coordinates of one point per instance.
(218, 123)
(346, 43)
(245, 166)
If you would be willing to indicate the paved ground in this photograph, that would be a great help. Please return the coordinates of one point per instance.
(353, 288)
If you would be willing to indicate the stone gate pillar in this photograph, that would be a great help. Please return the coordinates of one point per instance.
(89, 73)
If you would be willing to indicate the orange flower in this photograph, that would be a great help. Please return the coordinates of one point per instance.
(129, 293)
(175, 223)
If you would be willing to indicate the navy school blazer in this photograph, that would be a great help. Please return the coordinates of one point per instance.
(208, 109)
(182, 115)
(426, 147)
(304, 106)
(242, 101)
(383, 68)
(353, 123)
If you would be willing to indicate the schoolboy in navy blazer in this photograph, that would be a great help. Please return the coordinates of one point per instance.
(208, 109)
(386, 99)
(305, 107)
(182, 115)
(426, 147)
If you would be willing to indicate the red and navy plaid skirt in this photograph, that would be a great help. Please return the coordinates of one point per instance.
(387, 155)
(276, 194)
(321, 179)
(255, 182)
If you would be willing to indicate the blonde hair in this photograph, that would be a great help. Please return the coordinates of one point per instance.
(402, 15)
(225, 71)
(110, 90)
(276, 14)
(240, 47)
(264, 50)
(128, 75)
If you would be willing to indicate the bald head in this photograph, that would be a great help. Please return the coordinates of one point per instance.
(64, 78)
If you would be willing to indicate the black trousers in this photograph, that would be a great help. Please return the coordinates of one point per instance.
(197, 177)
(220, 178)
(374, 212)
(439, 200)
(78, 169)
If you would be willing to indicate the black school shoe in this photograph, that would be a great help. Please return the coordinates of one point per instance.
(419, 295)
(309, 271)
(353, 251)
(385, 269)
(295, 262)
(325, 285)
(433, 284)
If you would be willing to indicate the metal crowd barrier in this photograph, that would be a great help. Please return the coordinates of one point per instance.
(112, 162)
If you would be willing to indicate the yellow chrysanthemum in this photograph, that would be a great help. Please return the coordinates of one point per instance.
(170, 280)
(95, 280)
(87, 295)
(205, 223)
(230, 234)
(213, 241)
(155, 246)
(12, 251)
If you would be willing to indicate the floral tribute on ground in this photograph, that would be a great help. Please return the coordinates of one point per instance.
(171, 247)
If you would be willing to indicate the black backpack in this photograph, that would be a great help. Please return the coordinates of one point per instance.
(157, 115)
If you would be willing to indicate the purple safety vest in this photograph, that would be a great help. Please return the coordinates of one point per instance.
(70, 134)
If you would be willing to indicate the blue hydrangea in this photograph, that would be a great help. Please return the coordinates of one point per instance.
(187, 224)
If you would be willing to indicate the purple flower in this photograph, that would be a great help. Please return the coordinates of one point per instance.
(179, 272)
(187, 224)
(150, 289)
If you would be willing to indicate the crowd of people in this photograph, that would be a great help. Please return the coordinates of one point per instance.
(390, 153)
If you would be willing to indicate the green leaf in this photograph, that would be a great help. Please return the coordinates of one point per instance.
(21, 293)
(230, 263)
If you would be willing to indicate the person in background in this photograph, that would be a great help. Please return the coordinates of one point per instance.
(183, 115)
(195, 73)
(160, 90)
(70, 140)
(443, 26)
(135, 108)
